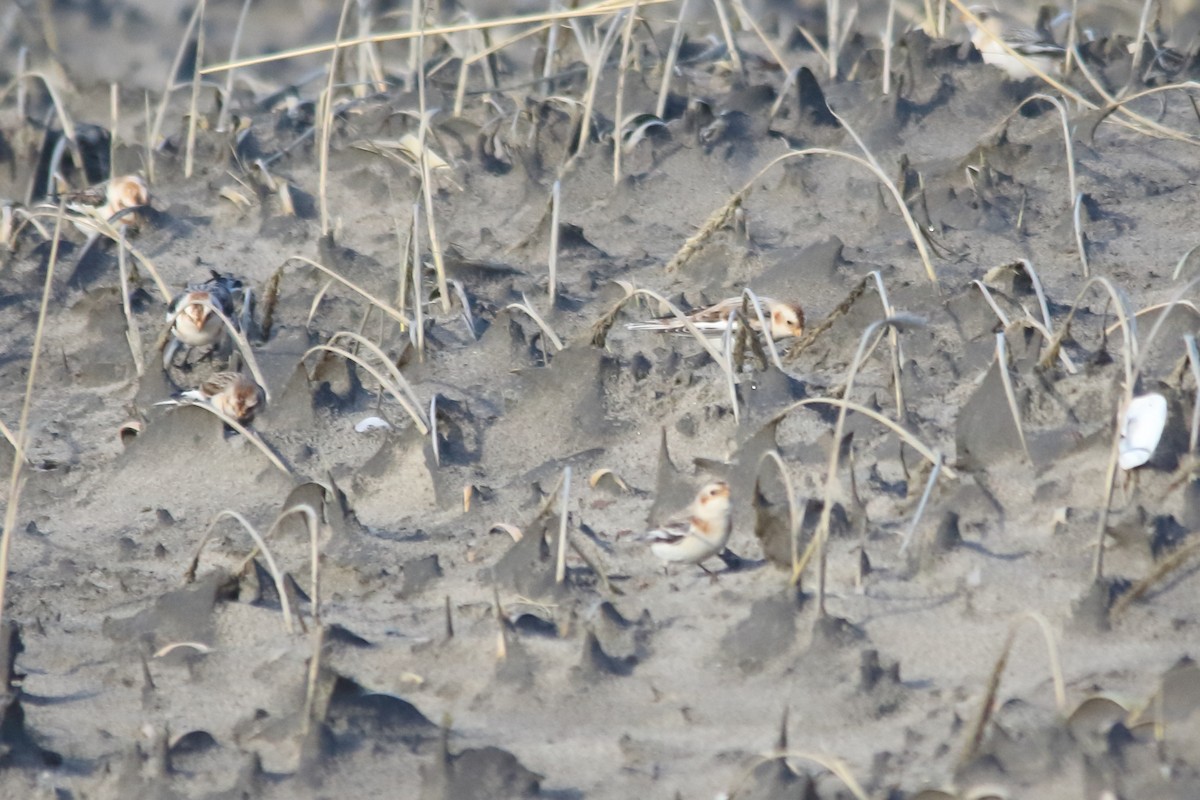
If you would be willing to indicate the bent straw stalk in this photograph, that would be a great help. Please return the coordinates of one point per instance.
(314, 709)
(435, 246)
(398, 316)
(1183, 262)
(1194, 362)
(1133, 354)
(416, 332)
(1075, 197)
(596, 9)
(735, 57)
(481, 55)
(413, 412)
(835, 449)
(717, 220)
(660, 108)
(831, 763)
(721, 216)
(107, 229)
(764, 326)
(920, 512)
(189, 574)
(1010, 393)
(1164, 568)
(622, 69)
(842, 309)
(223, 115)
(16, 479)
(152, 140)
(314, 530)
(1077, 221)
(794, 522)
(934, 457)
(893, 344)
(527, 308)
(1133, 120)
(730, 380)
(596, 55)
(397, 377)
(325, 113)
(832, 19)
(888, 34)
(114, 139)
(249, 433)
(1136, 61)
(560, 567)
(64, 117)
(433, 438)
(555, 196)
(989, 701)
(1129, 349)
(11, 438)
(746, 18)
(1125, 317)
(132, 333)
(190, 149)
(600, 329)
(1046, 327)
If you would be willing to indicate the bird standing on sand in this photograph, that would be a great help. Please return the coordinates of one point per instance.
(231, 393)
(193, 322)
(785, 319)
(1035, 46)
(701, 535)
(106, 201)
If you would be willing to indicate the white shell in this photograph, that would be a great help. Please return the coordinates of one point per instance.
(1141, 428)
(368, 424)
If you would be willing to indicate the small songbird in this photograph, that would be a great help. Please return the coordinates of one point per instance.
(1037, 47)
(193, 323)
(110, 199)
(699, 536)
(785, 319)
(232, 393)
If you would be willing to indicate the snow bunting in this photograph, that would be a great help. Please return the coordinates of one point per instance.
(193, 322)
(785, 319)
(1035, 46)
(701, 535)
(120, 194)
(231, 393)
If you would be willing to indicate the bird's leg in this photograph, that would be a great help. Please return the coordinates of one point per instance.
(169, 353)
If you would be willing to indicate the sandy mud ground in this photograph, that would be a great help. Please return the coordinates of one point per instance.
(438, 657)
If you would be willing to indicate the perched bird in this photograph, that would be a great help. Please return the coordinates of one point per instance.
(231, 393)
(120, 194)
(191, 316)
(785, 319)
(701, 535)
(1036, 46)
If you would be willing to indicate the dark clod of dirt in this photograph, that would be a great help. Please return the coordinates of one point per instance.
(775, 780)
(766, 633)
(359, 717)
(947, 536)
(837, 632)
(595, 662)
(478, 774)
(420, 574)
(183, 615)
